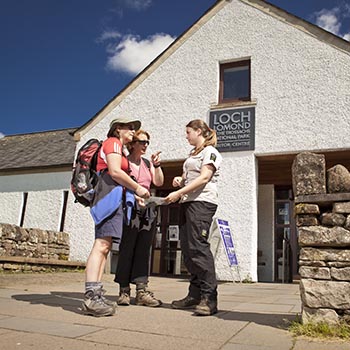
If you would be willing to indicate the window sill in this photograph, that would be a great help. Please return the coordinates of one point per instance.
(233, 104)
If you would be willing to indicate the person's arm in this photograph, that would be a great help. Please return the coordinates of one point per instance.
(157, 176)
(114, 161)
(156, 170)
(204, 177)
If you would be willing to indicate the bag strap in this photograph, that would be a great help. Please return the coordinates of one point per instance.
(147, 162)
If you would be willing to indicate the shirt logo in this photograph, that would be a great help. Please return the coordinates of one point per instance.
(213, 157)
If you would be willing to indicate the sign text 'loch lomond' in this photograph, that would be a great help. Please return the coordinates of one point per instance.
(235, 129)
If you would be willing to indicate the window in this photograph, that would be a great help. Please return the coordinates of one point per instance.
(234, 81)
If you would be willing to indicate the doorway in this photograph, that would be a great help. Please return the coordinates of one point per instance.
(166, 256)
(285, 237)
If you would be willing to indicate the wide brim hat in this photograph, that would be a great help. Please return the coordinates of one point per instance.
(124, 120)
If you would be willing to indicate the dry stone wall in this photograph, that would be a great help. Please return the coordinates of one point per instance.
(24, 248)
(322, 210)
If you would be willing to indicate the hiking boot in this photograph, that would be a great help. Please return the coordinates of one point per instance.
(107, 301)
(186, 303)
(206, 307)
(145, 297)
(94, 305)
(124, 299)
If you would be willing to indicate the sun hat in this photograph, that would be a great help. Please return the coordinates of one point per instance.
(123, 120)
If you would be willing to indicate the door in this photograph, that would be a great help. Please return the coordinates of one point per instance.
(166, 257)
(286, 242)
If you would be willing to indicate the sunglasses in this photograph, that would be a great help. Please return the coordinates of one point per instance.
(142, 142)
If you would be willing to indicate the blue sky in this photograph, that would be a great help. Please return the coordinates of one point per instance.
(62, 61)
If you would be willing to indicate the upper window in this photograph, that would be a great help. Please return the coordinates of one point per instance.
(234, 81)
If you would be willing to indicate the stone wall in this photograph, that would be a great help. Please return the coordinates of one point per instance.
(322, 210)
(31, 249)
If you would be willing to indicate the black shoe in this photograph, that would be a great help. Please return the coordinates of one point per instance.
(186, 303)
(206, 307)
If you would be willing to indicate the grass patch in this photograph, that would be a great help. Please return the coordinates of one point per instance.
(320, 330)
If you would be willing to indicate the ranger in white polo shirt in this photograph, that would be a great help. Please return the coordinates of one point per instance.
(199, 200)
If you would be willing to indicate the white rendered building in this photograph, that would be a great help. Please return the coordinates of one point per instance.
(272, 85)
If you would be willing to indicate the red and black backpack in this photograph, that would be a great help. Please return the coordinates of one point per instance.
(84, 177)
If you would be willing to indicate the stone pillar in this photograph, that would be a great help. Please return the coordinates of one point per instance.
(323, 222)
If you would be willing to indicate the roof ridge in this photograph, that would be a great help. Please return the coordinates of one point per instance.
(42, 132)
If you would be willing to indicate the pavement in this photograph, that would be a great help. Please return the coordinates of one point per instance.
(41, 311)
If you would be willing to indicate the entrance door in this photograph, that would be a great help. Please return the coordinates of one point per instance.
(286, 242)
(166, 258)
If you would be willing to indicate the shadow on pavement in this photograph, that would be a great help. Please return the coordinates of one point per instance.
(65, 300)
(281, 321)
(71, 301)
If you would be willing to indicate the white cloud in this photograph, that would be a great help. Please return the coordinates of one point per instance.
(138, 5)
(107, 35)
(331, 20)
(2, 135)
(133, 54)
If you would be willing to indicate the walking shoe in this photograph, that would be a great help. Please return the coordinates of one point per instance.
(123, 299)
(186, 303)
(95, 306)
(145, 297)
(124, 296)
(105, 300)
(206, 307)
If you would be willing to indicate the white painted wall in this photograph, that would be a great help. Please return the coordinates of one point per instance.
(44, 201)
(266, 233)
(10, 207)
(299, 84)
(49, 205)
(302, 91)
(80, 225)
(35, 182)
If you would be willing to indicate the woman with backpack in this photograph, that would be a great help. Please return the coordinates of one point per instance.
(113, 167)
(134, 249)
(199, 199)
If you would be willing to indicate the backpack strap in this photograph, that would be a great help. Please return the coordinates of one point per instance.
(147, 162)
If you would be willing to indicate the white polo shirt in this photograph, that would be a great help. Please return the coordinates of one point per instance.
(192, 169)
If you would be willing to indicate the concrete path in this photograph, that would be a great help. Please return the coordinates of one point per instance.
(41, 311)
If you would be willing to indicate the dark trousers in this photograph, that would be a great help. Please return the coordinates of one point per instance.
(134, 253)
(196, 218)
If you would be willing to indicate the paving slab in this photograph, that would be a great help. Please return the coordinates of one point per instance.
(265, 336)
(62, 329)
(264, 307)
(15, 340)
(151, 341)
(302, 344)
(42, 311)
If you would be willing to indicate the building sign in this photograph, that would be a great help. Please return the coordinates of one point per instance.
(235, 128)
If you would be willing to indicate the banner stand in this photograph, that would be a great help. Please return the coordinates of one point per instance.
(227, 240)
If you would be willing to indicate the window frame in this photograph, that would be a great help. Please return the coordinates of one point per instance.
(235, 64)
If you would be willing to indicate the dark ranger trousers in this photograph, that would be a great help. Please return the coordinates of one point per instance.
(196, 219)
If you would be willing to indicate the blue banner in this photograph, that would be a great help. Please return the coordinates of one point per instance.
(227, 239)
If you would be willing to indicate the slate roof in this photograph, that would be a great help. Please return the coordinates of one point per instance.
(37, 150)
